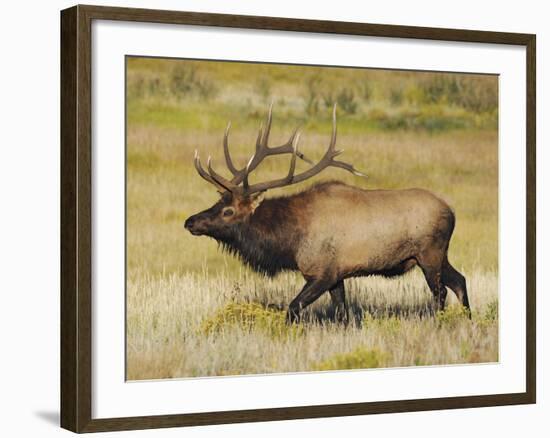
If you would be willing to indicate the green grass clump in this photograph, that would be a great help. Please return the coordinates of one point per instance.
(459, 90)
(250, 316)
(487, 317)
(359, 358)
(452, 315)
(390, 325)
(186, 81)
(491, 311)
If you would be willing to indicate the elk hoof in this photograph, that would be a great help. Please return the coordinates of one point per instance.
(342, 319)
(292, 316)
(341, 316)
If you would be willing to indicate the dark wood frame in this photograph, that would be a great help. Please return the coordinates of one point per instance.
(76, 238)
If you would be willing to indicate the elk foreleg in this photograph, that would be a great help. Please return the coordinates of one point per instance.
(338, 296)
(312, 290)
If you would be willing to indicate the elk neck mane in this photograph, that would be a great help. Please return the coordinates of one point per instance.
(268, 240)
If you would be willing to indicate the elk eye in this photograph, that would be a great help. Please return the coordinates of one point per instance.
(228, 212)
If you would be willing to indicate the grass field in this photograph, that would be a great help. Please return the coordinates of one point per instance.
(195, 311)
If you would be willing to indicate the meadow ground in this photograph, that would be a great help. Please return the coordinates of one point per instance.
(195, 311)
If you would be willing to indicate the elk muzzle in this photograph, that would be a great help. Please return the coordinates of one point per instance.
(195, 225)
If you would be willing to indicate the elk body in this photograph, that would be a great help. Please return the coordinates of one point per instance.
(331, 231)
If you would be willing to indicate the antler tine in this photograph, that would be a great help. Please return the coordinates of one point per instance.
(265, 137)
(287, 148)
(246, 172)
(228, 160)
(205, 175)
(199, 168)
(290, 175)
(348, 167)
(259, 138)
(220, 180)
(333, 137)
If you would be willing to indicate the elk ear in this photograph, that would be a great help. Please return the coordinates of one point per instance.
(256, 200)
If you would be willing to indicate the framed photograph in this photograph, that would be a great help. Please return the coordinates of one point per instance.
(268, 219)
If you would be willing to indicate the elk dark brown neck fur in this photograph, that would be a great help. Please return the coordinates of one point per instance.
(268, 240)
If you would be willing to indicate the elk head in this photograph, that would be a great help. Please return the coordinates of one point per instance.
(239, 199)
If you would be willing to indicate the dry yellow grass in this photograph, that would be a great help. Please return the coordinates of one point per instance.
(186, 326)
(179, 284)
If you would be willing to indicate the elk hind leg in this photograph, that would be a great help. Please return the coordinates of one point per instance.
(338, 297)
(431, 264)
(456, 282)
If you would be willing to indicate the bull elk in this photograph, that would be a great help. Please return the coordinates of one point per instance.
(330, 231)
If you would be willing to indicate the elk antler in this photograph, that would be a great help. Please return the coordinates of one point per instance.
(210, 177)
(263, 151)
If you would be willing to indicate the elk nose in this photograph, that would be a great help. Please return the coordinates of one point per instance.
(189, 223)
